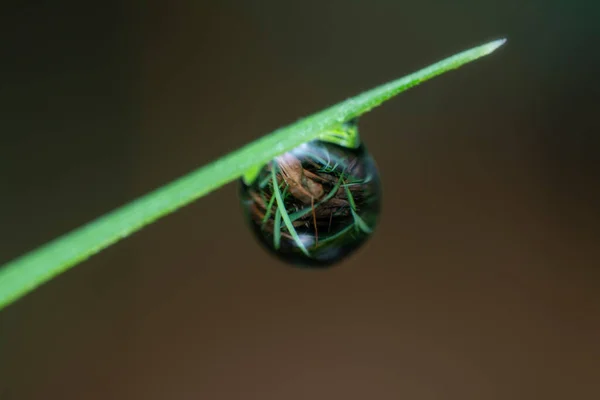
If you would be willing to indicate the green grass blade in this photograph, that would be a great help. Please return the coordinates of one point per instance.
(284, 214)
(24, 274)
(360, 224)
(268, 212)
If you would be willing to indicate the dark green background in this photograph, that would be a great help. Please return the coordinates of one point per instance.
(481, 282)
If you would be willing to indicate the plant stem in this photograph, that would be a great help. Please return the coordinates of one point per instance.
(24, 274)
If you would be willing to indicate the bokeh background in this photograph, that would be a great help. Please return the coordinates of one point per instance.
(481, 282)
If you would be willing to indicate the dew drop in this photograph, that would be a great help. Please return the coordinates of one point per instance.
(314, 205)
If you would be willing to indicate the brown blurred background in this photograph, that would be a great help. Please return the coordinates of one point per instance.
(481, 281)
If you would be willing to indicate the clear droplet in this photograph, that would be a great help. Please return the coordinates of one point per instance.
(315, 205)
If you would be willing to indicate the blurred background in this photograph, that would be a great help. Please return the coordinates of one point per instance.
(481, 282)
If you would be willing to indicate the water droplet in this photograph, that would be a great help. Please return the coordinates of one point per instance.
(314, 205)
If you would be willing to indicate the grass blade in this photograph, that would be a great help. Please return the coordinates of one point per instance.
(284, 215)
(24, 274)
